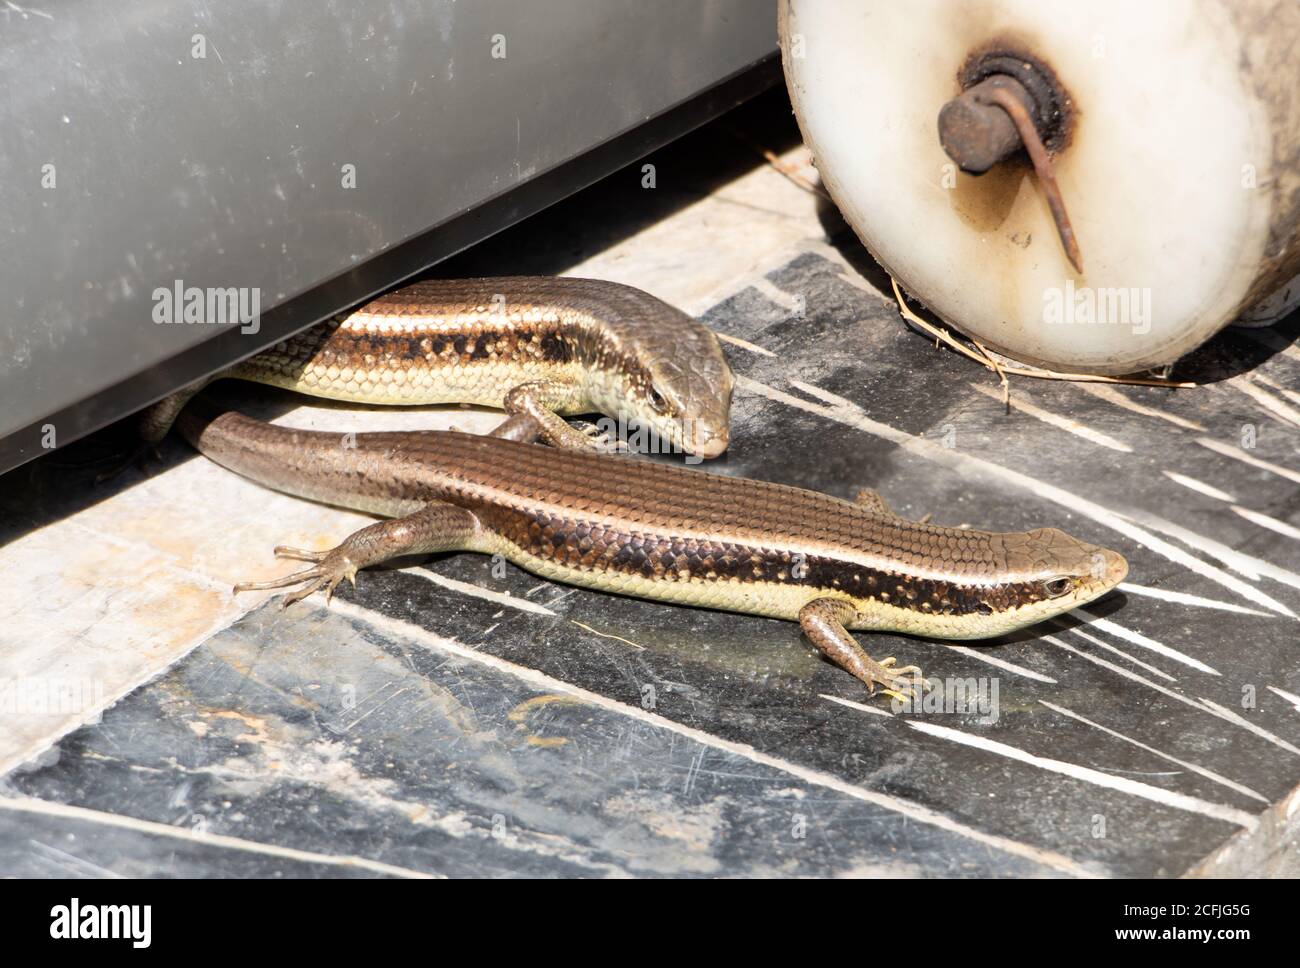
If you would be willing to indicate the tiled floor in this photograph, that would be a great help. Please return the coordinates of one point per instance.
(445, 719)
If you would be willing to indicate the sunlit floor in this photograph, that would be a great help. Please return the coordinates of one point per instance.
(446, 718)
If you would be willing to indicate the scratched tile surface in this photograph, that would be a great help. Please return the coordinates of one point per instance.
(456, 718)
(329, 737)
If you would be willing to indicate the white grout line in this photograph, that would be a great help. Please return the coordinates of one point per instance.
(1168, 798)
(744, 344)
(1182, 598)
(1199, 486)
(1264, 521)
(1290, 697)
(849, 414)
(465, 588)
(74, 863)
(1143, 642)
(1245, 723)
(759, 269)
(859, 706)
(776, 294)
(1236, 453)
(1274, 385)
(1112, 395)
(1210, 708)
(1001, 663)
(540, 680)
(1126, 673)
(1120, 522)
(1199, 770)
(1119, 652)
(1055, 420)
(52, 809)
(1244, 564)
(1283, 412)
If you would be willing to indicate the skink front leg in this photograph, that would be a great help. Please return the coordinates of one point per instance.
(538, 402)
(435, 527)
(823, 621)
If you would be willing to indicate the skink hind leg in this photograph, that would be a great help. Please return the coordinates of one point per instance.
(539, 402)
(435, 527)
(823, 621)
(872, 501)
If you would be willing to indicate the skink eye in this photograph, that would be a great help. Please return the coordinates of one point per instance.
(1056, 587)
(657, 400)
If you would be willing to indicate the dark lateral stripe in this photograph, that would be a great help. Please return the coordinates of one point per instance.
(590, 547)
(548, 343)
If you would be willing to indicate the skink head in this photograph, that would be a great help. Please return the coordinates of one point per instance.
(988, 584)
(687, 397)
(674, 378)
(1049, 572)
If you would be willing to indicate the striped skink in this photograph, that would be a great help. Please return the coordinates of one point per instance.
(538, 347)
(657, 531)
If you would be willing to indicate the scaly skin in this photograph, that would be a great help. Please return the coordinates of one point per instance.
(539, 347)
(669, 533)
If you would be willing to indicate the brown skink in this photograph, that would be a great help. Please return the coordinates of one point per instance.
(538, 347)
(663, 532)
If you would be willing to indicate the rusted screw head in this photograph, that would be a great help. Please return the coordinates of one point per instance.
(975, 132)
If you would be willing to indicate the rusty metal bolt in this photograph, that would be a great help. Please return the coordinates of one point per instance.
(977, 133)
